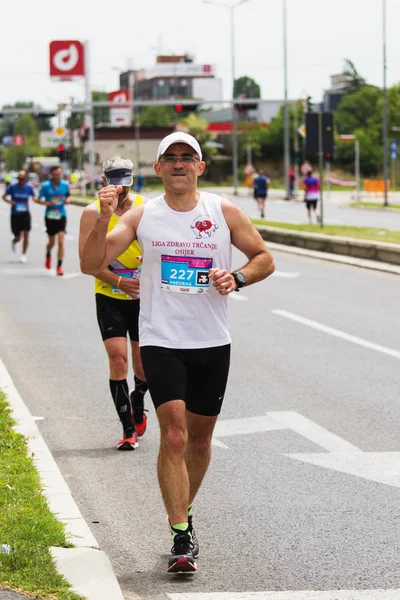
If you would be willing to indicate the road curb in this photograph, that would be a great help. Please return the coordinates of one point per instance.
(345, 260)
(350, 248)
(86, 567)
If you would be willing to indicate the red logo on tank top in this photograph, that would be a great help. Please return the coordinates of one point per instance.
(203, 227)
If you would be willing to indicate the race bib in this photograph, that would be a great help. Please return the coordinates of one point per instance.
(20, 208)
(185, 274)
(54, 213)
(130, 274)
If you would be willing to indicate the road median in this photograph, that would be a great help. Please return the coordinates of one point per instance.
(346, 246)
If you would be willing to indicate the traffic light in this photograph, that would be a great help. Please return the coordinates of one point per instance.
(309, 104)
(61, 152)
(298, 157)
(247, 104)
(312, 134)
(327, 135)
(185, 109)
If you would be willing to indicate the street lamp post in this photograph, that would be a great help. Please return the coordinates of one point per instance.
(231, 8)
(385, 110)
(286, 140)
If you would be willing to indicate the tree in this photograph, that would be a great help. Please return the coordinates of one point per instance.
(15, 156)
(246, 86)
(101, 114)
(359, 110)
(157, 116)
(197, 127)
(355, 81)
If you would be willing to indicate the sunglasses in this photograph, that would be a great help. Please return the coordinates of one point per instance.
(185, 158)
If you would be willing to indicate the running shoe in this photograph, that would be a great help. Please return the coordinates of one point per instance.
(128, 443)
(138, 413)
(22, 258)
(47, 263)
(182, 559)
(195, 541)
(60, 271)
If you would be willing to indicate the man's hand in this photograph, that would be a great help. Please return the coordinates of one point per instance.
(224, 282)
(130, 286)
(108, 196)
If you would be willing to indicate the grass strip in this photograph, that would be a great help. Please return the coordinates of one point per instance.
(373, 234)
(379, 205)
(26, 523)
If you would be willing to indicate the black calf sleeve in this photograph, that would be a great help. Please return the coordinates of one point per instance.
(120, 394)
(140, 386)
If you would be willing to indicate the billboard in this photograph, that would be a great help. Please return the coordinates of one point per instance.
(67, 60)
(120, 113)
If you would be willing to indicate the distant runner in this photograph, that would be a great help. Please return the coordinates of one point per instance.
(18, 195)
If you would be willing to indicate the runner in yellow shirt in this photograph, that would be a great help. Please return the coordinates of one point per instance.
(117, 305)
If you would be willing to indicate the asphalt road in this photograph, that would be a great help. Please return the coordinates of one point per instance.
(336, 210)
(303, 489)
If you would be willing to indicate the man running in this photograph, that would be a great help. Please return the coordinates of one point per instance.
(18, 195)
(312, 194)
(54, 195)
(261, 183)
(117, 304)
(186, 238)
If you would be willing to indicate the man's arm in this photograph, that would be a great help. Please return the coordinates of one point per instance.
(88, 221)
(100, 248)
(245, 238)
(7, 199)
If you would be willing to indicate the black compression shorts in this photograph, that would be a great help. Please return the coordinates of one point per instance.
(117, 317)
(197, 376)
(54, 226)
(20, 222)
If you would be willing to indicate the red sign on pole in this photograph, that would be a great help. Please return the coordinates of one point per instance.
(18, 140)
(67, 60)
(120, 113)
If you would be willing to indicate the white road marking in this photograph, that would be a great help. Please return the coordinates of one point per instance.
(238, 296)
(342, 456)
(337, 333)
(285, 274)
(28, 271)
(289, 595)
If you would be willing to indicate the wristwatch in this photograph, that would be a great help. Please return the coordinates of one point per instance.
(240, 279)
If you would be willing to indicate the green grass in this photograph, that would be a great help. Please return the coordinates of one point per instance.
(374, 205)
(26, 523)
(360, 233)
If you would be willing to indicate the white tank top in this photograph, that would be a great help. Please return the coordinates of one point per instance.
(179, 307)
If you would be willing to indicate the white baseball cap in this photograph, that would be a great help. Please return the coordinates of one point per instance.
(179, 137)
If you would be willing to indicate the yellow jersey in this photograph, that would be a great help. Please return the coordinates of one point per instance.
(124, 265)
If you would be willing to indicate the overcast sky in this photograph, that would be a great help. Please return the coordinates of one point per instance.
(129, 33)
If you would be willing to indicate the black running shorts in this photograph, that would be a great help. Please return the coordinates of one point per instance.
(54, 226)
(20, 222)
(197, 376)
(116, 318)
(311, 204)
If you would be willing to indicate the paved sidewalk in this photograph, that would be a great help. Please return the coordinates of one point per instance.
(9, 595)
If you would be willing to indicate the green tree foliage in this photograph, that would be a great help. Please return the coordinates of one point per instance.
(355, 81)
(362, 109)
(158, 116)
(246, 86)
(197, 127)
(15, 156)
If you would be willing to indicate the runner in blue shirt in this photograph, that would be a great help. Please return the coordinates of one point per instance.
(54, 195)
(260, 184)
(18, 194)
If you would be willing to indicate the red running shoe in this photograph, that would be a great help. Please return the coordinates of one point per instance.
(138, 413)
(47, 263)
(128, 443)
(60, 271)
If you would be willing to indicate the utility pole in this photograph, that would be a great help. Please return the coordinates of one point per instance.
(385, 111)
(286, 139)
